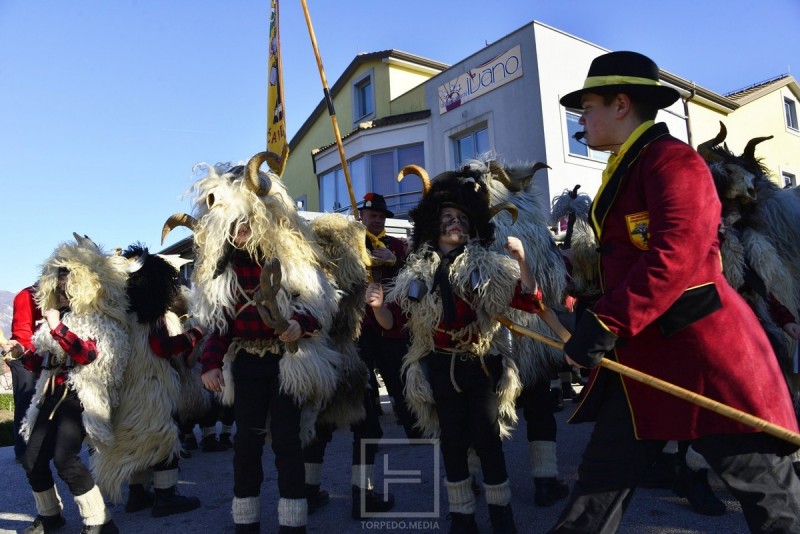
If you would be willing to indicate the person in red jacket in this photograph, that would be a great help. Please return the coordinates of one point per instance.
(666, 310)
(23, 382)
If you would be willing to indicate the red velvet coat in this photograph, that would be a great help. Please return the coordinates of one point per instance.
(665, 296)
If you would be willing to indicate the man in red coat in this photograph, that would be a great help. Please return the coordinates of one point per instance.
(667, 310)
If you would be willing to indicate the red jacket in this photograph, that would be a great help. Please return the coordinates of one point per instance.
(26, 313)
(665, 296)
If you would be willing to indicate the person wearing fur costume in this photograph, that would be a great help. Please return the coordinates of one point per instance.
(85, 347)
(667, 311)
(461, 381)
(146, 442)
(263, 292)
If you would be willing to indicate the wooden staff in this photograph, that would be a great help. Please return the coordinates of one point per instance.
(661, 385)
(331, 111)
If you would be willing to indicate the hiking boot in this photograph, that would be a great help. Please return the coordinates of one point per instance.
(567, 392)
(549, 490)
(138, 498)
(462, 523)
(557, 399)
(249, 528)
(693, 485)
(105, 528)
(283, 529)
(316, 497)
(374, 502)
(211, 444)
(502, 519)
(44, 524)
(169, 501)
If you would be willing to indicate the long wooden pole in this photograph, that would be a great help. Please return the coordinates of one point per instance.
(667, 387)
(331, 111)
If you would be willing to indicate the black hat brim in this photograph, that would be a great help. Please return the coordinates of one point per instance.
(660, 96)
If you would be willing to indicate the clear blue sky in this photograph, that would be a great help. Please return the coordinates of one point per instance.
(105, 106)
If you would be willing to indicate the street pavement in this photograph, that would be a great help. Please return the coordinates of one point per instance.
(412, 473)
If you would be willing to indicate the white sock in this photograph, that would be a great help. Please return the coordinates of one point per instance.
(292, 512)
(246, 511)
(498, 494)
(460, 496)
(48, 502)
(313, 474)
(92, 507)
(543, 459)
(361, 476)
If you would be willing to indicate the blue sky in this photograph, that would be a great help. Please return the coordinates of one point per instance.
(105, 106)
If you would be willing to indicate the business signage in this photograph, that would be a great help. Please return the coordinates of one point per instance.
(481, 79)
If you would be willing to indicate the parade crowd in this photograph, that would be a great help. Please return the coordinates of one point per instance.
(279, 333)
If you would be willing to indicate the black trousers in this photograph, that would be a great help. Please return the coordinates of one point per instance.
(60, 440)
(751, 465)
(258, 395)
(23, 386)
(537, 408)
(386, 355)
(470, 417)
(367, 428)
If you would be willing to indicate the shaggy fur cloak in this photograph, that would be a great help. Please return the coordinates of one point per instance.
(96, 289)
(498, 279)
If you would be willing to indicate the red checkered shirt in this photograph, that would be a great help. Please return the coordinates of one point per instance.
(164, 345)
(248, 323)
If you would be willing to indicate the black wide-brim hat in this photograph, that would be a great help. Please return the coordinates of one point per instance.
(625, 72)
(374, 201)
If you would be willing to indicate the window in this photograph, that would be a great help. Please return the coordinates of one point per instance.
(471, 145)
(577, 148)
(790, 109)
(376, 172)
(789, 179)
(363, 99)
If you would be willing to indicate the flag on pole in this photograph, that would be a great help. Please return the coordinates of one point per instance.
(276, 121)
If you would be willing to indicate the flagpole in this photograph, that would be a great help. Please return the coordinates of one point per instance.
(331, 111)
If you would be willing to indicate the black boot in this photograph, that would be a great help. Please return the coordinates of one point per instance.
(138, 498)
(105, 528)
(502, 519)
(44, 524)
(317, 498)
(374, 502)
(556, 399)
(190, 442)
(283, 529)
(462, 523)
(169, 501)
(549, 490)
(249, 528)
(693, 485)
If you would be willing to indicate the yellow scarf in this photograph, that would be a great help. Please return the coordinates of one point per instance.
(376, 239)
(614, 159)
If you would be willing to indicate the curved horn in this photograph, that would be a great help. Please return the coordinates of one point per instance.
(500, 174)
(750, 149)
(704, 149)
(177, 219)
(505, 206)
(257, 184)
(419, 171)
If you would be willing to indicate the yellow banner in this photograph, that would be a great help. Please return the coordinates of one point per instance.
(276, 119)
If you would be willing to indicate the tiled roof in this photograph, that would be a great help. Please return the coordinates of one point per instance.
(742, 94)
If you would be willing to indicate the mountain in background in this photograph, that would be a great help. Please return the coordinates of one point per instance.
(6, 306)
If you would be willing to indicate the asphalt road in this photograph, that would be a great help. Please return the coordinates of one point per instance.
(411, 472)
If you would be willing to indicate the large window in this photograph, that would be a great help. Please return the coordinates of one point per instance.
(376, 172)
(790, 110)
(576, 148)
(471, 145)
(363, 98)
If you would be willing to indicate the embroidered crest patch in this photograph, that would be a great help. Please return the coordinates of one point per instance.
(639, 229)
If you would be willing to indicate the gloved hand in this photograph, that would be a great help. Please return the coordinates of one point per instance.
(590, 342)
